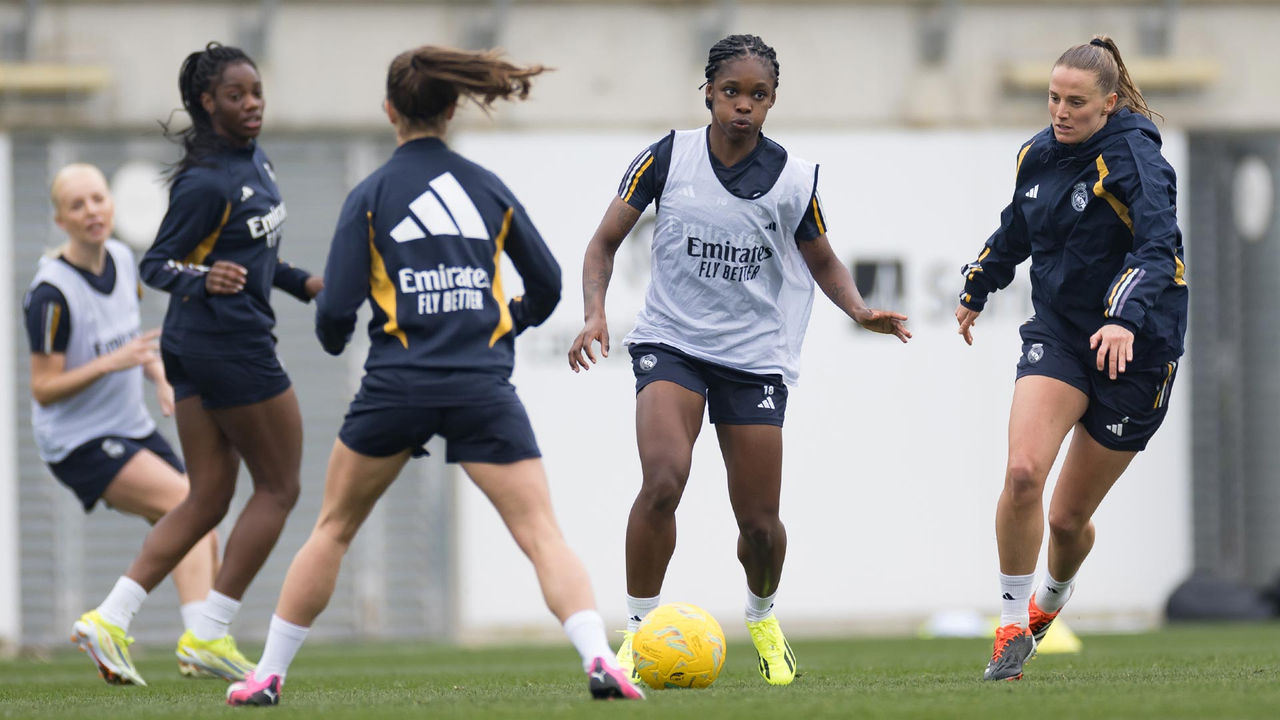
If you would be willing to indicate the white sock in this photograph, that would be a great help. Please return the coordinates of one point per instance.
(284, 639)
(759, 608)
(122, 603)
(216, 616)
(1015, 591)
(190, 612)
(1053, 594)
(585, 629)
(637, 608)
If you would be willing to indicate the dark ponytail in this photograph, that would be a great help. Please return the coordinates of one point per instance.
(422, 83)
(199, 74)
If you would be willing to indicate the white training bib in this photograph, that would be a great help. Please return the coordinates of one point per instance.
(101, 323)
(727, 282)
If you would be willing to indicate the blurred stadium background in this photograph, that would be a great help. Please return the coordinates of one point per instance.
(895, 455)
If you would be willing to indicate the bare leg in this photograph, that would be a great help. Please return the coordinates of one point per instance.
(212, 465)
(1087, 475)
(149, 487)
(668, 419)
(1044, 410)
(519, 493)
(268, 435)
(753, 459)
(353, 483)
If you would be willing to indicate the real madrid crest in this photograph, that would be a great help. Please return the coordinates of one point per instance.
(1035, 353)
(647, 362)
(1079, 196)
(113, 448)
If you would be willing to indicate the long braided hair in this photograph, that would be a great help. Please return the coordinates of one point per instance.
(1101, 57)
(422, 83)
(735, 46)
(199, 74)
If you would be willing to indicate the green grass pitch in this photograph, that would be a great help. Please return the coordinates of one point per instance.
(1218, 672)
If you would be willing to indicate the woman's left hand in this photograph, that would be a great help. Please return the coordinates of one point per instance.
(885, 321)
(314, 285)
(164, 396)
(1114, 344)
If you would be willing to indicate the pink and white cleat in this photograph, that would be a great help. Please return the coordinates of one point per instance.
(610, 683)
(252, 691)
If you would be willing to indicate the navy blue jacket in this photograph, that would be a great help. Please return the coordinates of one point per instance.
(1099, 222)
(422, 239)
(227, 209)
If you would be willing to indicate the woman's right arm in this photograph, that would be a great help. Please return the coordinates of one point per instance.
(597, 270)
(346, 275)
(48, 321)
(993, 270)
(197, 213)
(51, 381)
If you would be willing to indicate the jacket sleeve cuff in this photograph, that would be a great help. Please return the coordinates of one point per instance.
(1126, 324)
(973, 302)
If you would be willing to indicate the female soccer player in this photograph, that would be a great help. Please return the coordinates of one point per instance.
(1093, 206)
(88, 358)
(740, 240)
(421, 238)
(216, 255)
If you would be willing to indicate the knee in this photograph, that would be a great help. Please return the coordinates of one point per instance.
(761, 531)
(661, 493)
(664, 482)
(336, 531)
(282, 496)
(209, 505)
(1067, 523)
(1024, 481)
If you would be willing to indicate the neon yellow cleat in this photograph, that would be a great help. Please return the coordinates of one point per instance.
(777, 661)
(216, 657)
(626, 660)
(108, 647)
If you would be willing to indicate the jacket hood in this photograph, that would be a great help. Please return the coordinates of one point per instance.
(1124, 122)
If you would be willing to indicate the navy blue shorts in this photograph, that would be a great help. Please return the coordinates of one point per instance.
(733, 397)
(498, 433)
(1123, 413)
(224, 382)
(90, 468)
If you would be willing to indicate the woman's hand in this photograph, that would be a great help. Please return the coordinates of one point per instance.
(139, 351)
(967, 319)
(1114, 344)
(164, 396)
(596, 329)
(225, 278)
(886, 322)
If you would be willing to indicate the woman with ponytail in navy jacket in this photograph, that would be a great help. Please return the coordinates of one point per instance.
(1094, 209)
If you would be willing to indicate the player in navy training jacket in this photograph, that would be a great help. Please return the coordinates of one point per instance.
(422, 239)
(442, 333)
(216, 255)
(1094, 209)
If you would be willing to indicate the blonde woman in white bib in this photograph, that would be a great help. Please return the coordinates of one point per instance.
(91, 425)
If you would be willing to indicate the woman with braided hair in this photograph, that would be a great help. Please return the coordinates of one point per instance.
(421, 240)
(740, 241)
(1094, 209)
(216, 254)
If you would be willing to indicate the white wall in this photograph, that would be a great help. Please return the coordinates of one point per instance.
(10, 610)
(894, 454)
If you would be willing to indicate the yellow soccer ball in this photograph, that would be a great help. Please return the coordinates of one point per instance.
(678, 645)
